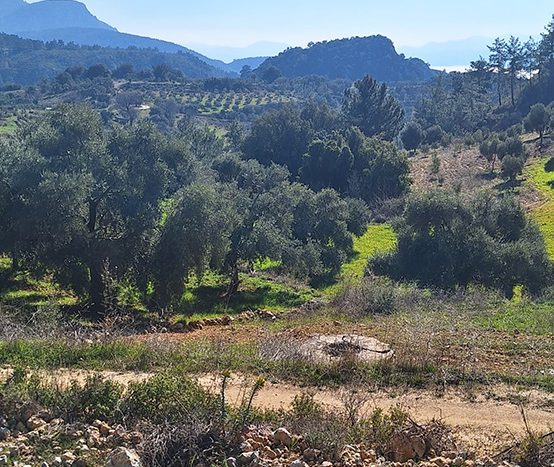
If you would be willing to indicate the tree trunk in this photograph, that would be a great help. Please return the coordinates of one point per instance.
(499, 91)
(234, 283)
(97, 309)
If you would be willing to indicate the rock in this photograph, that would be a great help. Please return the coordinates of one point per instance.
(122, 457)
(4, 434)
(326, 464)
(405, 448)
(57, 461)
(256, 446)
(298, 463)
(282, 436)
(27, 411)
(440, 461)
(311, 454)
(20, 428)
(103, 427)
(4, 460)
(231, 462)
(246, 447)
(247, 458)
(68, 458)
(270, 454)
(35, 422)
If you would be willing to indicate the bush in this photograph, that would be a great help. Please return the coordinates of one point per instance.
(433, 135)
(512, 167)
(496, 246)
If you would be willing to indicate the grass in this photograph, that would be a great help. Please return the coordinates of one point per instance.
(378, 238)
(525, 317)
(26, 291)
(203, 300)
(543, 180)
(8, 126)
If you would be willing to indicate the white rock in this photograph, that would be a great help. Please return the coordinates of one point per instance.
(122, 457)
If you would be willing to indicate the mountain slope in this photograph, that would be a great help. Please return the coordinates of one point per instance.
(71, 21)
(350, 59)
(49, 14)
(9, 6)
(27, 62)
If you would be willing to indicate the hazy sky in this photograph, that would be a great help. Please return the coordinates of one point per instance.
(296, 22)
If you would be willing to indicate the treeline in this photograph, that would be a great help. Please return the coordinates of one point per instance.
(28, 62)
(497, 92)
(94, 208)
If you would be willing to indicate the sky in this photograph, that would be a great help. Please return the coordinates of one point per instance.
(239, 23)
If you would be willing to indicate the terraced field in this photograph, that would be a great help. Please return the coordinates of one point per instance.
(215, 103)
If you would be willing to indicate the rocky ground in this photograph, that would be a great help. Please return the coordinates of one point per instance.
(36, 439)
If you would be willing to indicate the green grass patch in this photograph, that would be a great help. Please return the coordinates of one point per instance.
(25, 290)
(525, 317)
(8, 125)
(543, 180)
(378, 238)
(204, 299)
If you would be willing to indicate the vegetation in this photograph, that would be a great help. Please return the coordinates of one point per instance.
(349, 59)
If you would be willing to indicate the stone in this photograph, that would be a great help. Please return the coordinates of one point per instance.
(103, 427)
(282, 436)
(4, 434)
(298, 463)
(4, 460)
(20, 428)
(405, 448)
(440, 461)
(270, 454)
(311, 454)
(231, 462)
(35, 422)
(122, 457)
(249, 457)
(68, 458)
(368, 456)
(326, 464)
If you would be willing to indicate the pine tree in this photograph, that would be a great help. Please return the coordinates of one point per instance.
(515, 57)
(497, 62)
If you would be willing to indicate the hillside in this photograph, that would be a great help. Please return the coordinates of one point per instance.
(27, 62)
(48, 14)
(71, 21)
(350, 59)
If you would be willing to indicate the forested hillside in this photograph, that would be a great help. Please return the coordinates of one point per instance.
(27, 62)
(350, 59)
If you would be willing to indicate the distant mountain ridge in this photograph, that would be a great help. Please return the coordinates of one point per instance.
(350, 59)
(27, 61)
(71, 21)
(48, 14)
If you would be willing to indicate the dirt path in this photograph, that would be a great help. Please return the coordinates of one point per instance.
(466, 411)
(454, 408)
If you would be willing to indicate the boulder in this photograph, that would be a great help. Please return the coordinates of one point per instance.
(282, 436)
(35, 422)
(122, 457)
